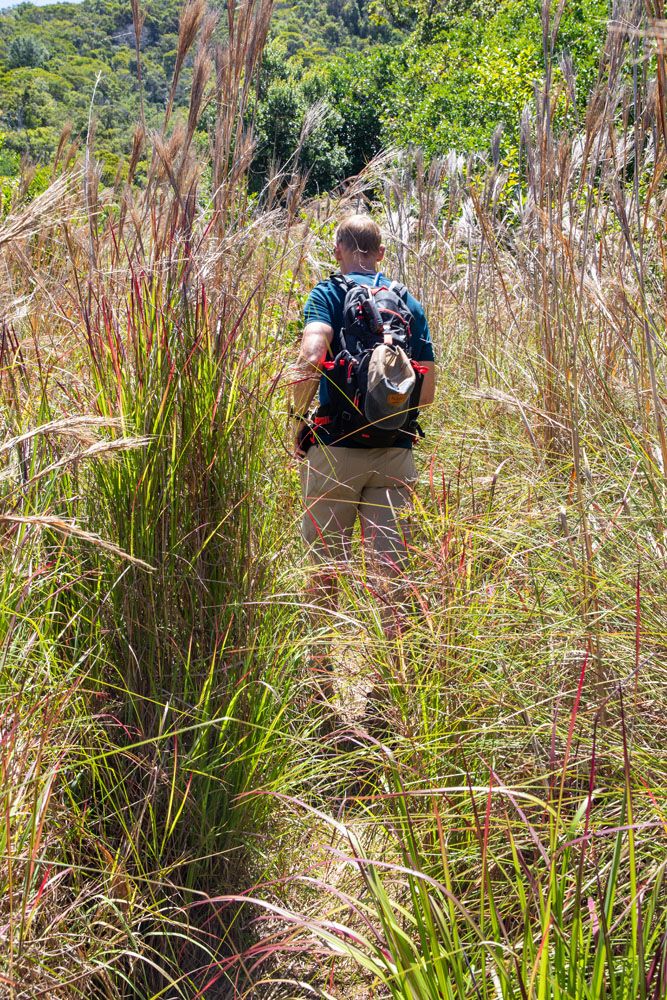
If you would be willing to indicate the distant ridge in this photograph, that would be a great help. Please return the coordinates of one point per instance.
(7, 4)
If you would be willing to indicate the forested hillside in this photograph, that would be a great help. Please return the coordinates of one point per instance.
(312, 30)
(50, 61)
(451, 77)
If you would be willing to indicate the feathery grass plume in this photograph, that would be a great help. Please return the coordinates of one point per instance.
(138, 19)
(92, 173)
(47, 209)
(208, 26)
(190, 21)
(27, 174)
(566, 65)
(237, 61)
(70, 529)
(98, 449)
(185, 166)
(168, 153)
(77, 427)
(315, 117)
(138, 141)
(124, 184)
(200, 77)
(65, 136)
(192, 16)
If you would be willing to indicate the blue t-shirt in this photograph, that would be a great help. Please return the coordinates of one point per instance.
(325, 305)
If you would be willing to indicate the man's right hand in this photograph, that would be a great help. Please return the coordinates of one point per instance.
(301, 434)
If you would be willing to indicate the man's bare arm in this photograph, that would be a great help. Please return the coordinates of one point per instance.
(304, 374)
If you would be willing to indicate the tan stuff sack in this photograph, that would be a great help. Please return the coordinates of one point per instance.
(391, 382)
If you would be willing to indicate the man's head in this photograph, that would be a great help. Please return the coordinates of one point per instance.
(358, 243)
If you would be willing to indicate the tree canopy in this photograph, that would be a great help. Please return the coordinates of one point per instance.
(340, 80)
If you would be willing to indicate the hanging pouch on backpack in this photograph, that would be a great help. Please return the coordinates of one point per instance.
(390, 384)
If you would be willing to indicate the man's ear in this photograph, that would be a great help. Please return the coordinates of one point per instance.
(337, 252)
(381, 251)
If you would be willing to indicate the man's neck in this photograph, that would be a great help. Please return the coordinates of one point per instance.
(353, 265)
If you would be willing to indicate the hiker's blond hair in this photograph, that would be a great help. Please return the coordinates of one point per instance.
(359, 234)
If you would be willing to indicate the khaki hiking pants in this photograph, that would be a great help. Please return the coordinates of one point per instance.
(373, 484)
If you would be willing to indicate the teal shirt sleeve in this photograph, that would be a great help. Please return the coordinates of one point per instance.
(318, 307)
(422, 345)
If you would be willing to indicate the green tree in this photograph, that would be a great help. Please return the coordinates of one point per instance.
(295, 133)
(27, 101)
(26, 50)
(358, 88)
(9, 162)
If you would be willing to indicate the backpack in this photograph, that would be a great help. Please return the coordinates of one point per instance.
(374, 385)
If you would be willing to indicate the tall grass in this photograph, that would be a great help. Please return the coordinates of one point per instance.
(485, 892)
(176, 820)
(513, 844)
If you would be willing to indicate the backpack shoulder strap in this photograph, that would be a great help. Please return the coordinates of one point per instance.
(338, 278)
(399, 289)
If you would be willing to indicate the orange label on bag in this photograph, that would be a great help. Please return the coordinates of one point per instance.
(396, 398)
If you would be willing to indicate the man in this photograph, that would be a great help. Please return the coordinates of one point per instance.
(343, 480)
